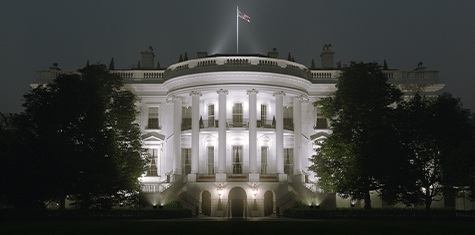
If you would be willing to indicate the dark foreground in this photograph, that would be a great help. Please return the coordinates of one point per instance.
(241, 227)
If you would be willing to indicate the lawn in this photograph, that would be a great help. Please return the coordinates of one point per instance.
(143, 227)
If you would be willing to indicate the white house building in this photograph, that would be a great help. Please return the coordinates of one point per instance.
(231, 134)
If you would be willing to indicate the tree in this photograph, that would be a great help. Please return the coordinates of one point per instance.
(354, 160)
(431, 130)
(84, 139)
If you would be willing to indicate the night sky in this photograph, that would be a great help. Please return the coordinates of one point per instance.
(36, 34)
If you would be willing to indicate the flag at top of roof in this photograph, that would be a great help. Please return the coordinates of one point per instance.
(244, 16)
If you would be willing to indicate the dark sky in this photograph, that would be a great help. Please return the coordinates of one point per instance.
(35, 34)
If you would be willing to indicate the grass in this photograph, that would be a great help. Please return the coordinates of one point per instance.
(226, 227)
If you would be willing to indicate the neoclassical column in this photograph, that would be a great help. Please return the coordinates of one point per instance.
(195, 134)
(279, 132)
(221, 173)
(177, 102)
(253, 173)
(297, 102)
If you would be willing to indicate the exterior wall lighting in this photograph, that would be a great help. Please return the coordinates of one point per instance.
(254, 190)
(220, 190)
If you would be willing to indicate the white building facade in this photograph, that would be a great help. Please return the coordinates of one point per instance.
(230, 135)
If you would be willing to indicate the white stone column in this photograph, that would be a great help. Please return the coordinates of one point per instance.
(195, 134)
(279, 133)
(253, 173)
(221, 173)
(177, 102)
(297, 101)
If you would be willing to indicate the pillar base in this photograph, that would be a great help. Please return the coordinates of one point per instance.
(221, 177)
(253, 177)
(282, 177)
(192, 177)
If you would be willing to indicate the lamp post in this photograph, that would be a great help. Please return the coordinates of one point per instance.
(220, 191)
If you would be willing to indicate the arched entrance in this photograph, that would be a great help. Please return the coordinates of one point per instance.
(206, 203)
(237, 199)
(268, 203)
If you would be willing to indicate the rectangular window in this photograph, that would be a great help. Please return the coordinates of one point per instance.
(288, 118)
(264, 160)
(185, 161)
(210, 160)
(237, 160)
(186, 118)
(320, 121)
(152, 170)
(152, 118)
(237, 115)
(263, 114)
(211, 115)
(288, 161)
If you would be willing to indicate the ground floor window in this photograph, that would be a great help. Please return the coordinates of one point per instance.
(185, 161)
(152, 170)
(210, 160)
(264, 160)
(288, 161)
(237, 159)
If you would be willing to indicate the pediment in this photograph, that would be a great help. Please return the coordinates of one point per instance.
(153, 136)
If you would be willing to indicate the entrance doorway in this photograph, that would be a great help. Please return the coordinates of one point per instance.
(206, 203)
(268, 203)
(237, 200)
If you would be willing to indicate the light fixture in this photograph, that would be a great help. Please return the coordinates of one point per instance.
(220, 190)
(254, 190)
(154, 206)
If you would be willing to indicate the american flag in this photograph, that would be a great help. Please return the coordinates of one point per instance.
(244, 16)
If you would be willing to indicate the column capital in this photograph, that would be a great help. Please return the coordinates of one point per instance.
(195, 93)
(302, 98)
(222, 91)
(281, 93)
(172, 98)
(252, 91)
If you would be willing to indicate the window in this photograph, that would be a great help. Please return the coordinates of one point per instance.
(211, 115)
(152, 118)
(210, 160)
(237, 159)
(237, 115)
(185, 161)
(186, 118)
(320, 121)
(288, 161)
(152, 171)
(288, 118)
(264, 160)
(263, 114)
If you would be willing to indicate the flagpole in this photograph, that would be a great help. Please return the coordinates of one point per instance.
(237, 29)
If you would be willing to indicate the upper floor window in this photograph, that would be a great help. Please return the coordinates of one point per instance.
(152, 118)
(263, 114)
(237, 115)
(288, 118)
(186, 118)
(211, 115)
(320, 121)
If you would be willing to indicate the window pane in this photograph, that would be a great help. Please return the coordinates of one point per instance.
(152, 118)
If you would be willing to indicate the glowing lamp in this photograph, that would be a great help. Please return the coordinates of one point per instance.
(254, 190)
(220, 190)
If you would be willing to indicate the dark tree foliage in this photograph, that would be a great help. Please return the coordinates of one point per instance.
(431, 131)
(355, 159)
(81, 139)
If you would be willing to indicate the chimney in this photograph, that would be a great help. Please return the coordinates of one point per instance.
(327, 57)
(273, 53)
(147, 58)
